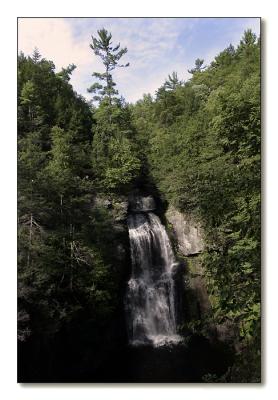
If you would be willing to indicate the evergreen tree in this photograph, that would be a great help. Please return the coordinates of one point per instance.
(114, 171)
(36, 56)
(110, 56)
(65, 74)
(198, 66)
(172, 82)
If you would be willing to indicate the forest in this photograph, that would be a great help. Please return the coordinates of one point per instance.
(194, 146)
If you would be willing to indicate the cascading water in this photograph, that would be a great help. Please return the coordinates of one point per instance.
(150, 300)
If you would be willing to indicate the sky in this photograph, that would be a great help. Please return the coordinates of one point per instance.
(156, 47)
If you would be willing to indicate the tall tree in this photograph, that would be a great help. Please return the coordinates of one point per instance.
(110, 56)
(114, 159)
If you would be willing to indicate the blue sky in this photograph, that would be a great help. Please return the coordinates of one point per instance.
(156, 46)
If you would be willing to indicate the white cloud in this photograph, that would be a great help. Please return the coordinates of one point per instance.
(156, 47)
(66, 41)
(54, 39)
(150, 44)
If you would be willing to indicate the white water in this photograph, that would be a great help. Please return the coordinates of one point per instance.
(150, 300)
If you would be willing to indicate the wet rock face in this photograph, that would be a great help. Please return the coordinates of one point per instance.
(187, 232)
(138, 203)
(196, 296)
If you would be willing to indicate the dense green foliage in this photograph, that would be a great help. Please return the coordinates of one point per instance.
(66, 242)
(198, 142)
(114, 155)
(203, 151)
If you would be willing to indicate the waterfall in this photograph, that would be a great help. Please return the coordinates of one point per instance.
(150, 299)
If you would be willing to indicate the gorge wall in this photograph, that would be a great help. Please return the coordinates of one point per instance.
(188, 236)
(188, 233)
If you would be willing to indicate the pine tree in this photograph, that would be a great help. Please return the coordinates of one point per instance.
(110, 56)
(65, 74)
(36, 56)
(172, 82)
(198, 66)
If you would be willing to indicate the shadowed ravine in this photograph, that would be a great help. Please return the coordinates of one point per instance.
(143, 343)
(156, 352)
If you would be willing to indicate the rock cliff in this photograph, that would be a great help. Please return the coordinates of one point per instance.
(187, 232)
